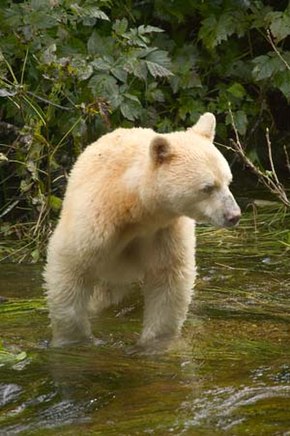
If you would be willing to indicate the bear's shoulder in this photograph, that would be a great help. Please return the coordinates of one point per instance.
(125, 138)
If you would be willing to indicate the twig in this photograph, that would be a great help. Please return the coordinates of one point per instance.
(287, 158)
(269, 145)
(269, 37)
(51, 103)
(271, 180)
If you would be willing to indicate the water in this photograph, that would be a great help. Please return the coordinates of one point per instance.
(228, 375)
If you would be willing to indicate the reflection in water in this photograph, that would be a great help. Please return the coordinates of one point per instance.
(230, 373)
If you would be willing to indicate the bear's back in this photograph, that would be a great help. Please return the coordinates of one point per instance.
(98, 172)
(114, 152)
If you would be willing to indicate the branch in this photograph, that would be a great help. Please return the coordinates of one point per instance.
(51, 103)
(270, 39)
(287, 158)
(268, 179)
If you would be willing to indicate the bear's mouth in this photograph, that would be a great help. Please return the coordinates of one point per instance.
(220, 221)
(227, 221)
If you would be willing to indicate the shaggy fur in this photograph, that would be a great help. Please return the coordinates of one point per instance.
(128, 216)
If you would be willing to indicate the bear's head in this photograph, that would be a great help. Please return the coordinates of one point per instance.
(191, 177)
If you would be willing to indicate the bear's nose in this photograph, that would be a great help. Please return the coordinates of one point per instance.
(233, 219)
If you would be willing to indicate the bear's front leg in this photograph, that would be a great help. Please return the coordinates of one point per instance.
(68, 297)
(169, 281)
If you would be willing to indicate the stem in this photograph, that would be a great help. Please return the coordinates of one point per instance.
(269, 37)
(272, 184)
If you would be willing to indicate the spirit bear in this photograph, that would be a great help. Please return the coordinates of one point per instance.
(129, 216)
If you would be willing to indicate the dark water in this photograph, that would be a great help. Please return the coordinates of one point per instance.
(229, 375)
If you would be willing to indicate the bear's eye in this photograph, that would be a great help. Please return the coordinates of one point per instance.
(208, 189)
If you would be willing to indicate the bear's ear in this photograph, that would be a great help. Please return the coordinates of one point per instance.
(205, 126)
(160, 150)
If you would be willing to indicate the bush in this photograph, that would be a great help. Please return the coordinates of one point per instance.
(71, 71)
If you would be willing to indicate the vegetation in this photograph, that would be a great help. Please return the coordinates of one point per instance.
(70, 71)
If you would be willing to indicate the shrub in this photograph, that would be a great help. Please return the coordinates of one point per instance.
(70, 71)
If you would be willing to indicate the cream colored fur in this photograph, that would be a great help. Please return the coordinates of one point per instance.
(128, 216)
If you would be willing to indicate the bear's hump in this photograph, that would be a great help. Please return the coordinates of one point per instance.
(112, 154)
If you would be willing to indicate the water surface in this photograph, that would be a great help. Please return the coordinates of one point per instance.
(230, 373)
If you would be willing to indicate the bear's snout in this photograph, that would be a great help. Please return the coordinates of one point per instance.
(232, 219)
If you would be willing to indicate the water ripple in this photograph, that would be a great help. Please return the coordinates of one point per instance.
(219, 406)
(62, 413)
(8, 393)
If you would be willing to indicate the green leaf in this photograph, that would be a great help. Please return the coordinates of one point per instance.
(49, 55)
(107, 64)
(99, 45)
(39, 4)
(95, 12)
(55, 203)
(134, 39)
(132, 97)
(131, 107)
(136, 67)
(241, 121)
(154, 93)
(158, 63)
(157, 70)
(35, 254)
(83, 70)
(279, 23)
(282, 81)
(159, 57)
(189, 106)
(253, 156)
(104, 85)
(237, 90)
(88, 12)
(215, 29)
(144, 52)
(266, 66)
(102, 64)
(120, 74)
(40, 19)
(142, 30)
(120, 26)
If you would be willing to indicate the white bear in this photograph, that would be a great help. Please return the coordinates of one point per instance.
(129, 216)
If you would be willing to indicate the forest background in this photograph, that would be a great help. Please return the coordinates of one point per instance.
(71, 71)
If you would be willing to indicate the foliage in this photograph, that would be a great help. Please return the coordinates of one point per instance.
(10, 358)
(71, 71)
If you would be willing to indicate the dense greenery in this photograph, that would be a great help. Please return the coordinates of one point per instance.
(71, 71)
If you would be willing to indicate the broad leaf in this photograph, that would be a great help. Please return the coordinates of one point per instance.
(279, 24)
(266, 66)
(241, 121)
(104, 86)
(131, 109)
(120, 26)
(149, 29)
(157, 70)
(237, 90)
(281, 81)
(102, 64)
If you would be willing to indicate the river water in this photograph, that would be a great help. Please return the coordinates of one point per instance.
(228, 375)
